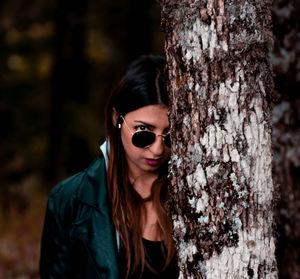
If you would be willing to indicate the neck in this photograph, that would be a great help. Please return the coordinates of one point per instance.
(143, 184)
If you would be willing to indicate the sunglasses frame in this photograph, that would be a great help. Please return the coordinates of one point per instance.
(133, 133)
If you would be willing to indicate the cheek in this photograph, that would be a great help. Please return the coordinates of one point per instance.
(168, 152)
(126, 139)
(129, 148)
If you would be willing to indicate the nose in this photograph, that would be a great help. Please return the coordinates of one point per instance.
(157, 147)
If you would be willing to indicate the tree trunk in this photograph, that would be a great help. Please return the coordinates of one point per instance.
(220, 86)
(68, 79)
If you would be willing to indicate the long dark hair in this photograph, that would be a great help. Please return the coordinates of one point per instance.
(143, 84)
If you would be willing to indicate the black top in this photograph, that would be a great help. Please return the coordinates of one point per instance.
(155, 257)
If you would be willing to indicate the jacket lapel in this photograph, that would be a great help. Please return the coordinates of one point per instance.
(92, 221)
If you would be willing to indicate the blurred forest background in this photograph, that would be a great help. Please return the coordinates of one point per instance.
(58, 63)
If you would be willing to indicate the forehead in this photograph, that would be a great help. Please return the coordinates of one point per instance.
(152, 114)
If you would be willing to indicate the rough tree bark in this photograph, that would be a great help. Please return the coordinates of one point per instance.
(220, 83)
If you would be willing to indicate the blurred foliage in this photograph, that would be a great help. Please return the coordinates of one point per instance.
(21, 222)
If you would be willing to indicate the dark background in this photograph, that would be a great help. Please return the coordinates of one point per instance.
(58, 63)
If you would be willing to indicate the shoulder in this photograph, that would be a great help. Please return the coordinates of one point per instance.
(84, 186)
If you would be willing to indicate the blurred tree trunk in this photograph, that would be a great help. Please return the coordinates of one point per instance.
(137, 39)
(285, 58)
(220, 85)
(69, 75)
(131, 26)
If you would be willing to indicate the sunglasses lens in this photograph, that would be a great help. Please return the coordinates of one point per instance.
(143, 139)
(168, 140)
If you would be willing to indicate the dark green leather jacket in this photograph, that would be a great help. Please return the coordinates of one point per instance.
(78, 239)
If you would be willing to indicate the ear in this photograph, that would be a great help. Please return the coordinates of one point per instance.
(114, 116)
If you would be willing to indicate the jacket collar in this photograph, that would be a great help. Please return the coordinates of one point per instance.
(93, 189)
(105, 147)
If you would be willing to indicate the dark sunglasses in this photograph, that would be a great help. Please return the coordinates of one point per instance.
(143, 139)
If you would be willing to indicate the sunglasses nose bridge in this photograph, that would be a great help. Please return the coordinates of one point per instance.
(165, 140)
(157, 147)
(162, 137)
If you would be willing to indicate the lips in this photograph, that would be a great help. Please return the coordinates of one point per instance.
(153, 162)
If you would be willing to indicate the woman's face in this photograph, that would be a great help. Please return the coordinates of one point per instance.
(149, 118)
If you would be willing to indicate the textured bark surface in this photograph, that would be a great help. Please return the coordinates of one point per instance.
(220, 84)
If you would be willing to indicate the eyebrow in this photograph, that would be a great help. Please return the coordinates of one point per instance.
(144, 123)
(149, 125)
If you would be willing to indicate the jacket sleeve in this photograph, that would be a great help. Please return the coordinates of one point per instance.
(55, 248)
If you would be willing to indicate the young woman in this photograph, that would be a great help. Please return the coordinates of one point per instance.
(109, 221)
